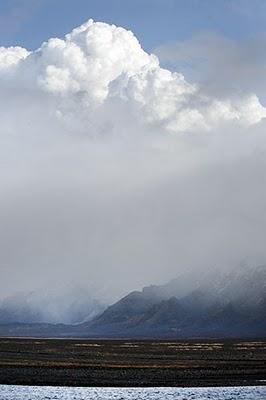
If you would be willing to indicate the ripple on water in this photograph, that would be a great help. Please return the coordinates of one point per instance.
(59, 393)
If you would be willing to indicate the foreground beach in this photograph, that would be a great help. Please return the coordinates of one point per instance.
(125, 363)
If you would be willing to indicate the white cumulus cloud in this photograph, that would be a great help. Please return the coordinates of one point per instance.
(11, 56)
(98, 64)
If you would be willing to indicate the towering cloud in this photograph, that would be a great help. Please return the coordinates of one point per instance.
(116, 172)
(98, 64)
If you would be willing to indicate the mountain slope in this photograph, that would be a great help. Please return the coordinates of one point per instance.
(230, 304)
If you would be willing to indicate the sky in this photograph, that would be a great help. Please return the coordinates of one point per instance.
(28, 23)
(133, 152)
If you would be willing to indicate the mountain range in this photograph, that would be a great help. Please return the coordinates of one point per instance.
(199, 304)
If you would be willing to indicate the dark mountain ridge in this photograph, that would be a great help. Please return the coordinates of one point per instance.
(230, 304)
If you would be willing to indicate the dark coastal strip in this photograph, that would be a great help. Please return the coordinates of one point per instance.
(132, 363)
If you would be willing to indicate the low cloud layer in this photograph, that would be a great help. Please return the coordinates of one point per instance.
(117, 173)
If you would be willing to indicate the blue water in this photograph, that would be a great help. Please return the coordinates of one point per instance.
(62, 393)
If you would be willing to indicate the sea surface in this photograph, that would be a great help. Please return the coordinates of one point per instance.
(62, 393)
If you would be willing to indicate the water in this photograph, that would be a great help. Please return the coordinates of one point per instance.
(62, 393)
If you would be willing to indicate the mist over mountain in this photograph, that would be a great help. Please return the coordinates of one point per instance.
(72, 306)
(218, 305)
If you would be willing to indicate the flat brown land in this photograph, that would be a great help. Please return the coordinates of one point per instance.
(65, 362)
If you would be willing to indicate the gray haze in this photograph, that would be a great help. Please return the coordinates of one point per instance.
(125, 177)
(222, 65)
